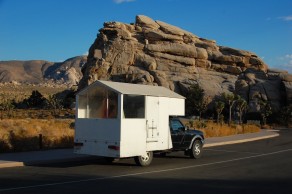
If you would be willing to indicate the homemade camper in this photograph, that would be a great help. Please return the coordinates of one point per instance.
(119, 120)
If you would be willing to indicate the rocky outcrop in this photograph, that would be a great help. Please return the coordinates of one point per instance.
(68, 72)
(156, 53)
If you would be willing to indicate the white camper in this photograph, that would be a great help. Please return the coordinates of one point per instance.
(119, 120)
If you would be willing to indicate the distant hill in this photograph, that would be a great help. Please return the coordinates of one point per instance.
(39, 71)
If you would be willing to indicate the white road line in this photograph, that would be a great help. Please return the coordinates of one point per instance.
(216, 150)
(144, 173)
(240, 141)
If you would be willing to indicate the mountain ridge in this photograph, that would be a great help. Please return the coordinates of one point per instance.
(41, 71)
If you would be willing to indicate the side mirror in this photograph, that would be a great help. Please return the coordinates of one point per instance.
(186, 128)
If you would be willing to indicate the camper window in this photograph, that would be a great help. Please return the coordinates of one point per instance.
(98, 103)
(134, 106)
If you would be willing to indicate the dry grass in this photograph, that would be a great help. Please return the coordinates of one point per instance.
(23, 134)
(36, 114)
(212, 129)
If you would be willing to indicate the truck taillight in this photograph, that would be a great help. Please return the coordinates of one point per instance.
(113, 147)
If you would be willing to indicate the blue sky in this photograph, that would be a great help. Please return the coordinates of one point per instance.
(56, 30)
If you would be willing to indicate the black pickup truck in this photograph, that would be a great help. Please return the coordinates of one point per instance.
(183, 139)
(190, 141)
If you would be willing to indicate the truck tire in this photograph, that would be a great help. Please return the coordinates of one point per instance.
(197, 149)
(144, 160)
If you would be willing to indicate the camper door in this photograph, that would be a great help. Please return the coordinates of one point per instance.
(152, 119)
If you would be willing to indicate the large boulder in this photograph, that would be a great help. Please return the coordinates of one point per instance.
(145, 21)
(170, 29)
(184, 50)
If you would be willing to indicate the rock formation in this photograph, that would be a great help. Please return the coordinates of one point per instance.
(68, 72)
(156, 53)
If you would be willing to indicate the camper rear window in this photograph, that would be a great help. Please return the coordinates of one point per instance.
(134, 106)
(98, 103)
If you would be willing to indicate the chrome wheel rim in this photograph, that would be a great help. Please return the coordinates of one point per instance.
(145, 158)
(197, 149)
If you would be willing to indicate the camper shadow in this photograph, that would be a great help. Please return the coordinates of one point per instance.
(101, 161)
(92, 160)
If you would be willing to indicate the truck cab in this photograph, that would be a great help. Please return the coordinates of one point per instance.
(184, 139)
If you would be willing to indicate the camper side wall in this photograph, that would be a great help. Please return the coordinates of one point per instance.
(176, 107)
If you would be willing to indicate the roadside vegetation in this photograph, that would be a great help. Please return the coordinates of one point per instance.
(37, 121)
(229, 114)
(213, 129)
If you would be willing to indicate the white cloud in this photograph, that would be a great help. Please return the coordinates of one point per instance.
(86, 53)
(286, 18)
(122, 1)
(285, 62)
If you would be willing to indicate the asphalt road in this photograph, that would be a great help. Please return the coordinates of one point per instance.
(263, 166)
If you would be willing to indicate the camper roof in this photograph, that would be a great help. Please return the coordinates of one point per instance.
(136, 89)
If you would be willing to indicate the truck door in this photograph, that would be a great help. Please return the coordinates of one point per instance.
(177, 134)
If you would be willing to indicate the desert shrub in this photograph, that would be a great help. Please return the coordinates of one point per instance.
(191, 122)
(67, 96)
(54, 104)
(4, 146)
(65, 142)
(200, 124)
(36, 100)
(72, 125)
(250, 128)
(58, 142)
(23, 142)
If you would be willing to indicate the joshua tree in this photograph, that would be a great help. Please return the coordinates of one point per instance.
(230, 99)
(219, 106)
(286, 115)
(201, 106)
(241, 106)
(194, 97)
(265, 109)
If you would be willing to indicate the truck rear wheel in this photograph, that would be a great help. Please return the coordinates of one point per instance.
(144, 160)
(196, 150)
